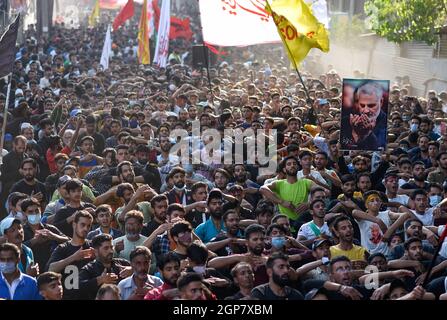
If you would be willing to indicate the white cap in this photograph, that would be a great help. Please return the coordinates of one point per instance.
(25, 125)
(7, 223)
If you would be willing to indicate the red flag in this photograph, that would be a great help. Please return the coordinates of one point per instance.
(214, 50)
(156, 13)
(180, 29)
(126, 13)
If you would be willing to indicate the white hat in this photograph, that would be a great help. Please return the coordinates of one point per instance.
(25, 125)
(19, 91)
(7, 223)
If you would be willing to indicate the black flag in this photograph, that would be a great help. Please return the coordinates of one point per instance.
(8, 48)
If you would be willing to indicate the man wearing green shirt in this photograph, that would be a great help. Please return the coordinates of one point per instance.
(291, 194)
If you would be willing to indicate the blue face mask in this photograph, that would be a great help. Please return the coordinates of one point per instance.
(34, 218)
(435, 200)
(278, 242)
(414, 127)
(133, 123)
(7, 267)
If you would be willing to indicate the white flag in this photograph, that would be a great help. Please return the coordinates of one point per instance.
(319, 9)
(107, 49)
(162, 46)
(237, 23)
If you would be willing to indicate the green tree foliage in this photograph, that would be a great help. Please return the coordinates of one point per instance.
(407, 20)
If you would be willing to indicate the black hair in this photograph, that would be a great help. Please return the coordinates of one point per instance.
(374, 255)
(187, 278)
(157, 199)
(82, 214)
(347, 178)
(275, 226)
(28, 160)
(338, 259)
(197, 252)
(275, 256)
(416, 192)
(340, 219)
(99, 239)
(140, 250)
(28, 202)
(180, 227)
(166, 258)
(254, 228)
(123, 187)
(410, 241)
(311, 206)
(119, 169)
(73, 184)
(10, 247)
(47, 278)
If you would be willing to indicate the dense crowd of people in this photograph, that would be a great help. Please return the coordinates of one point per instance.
(96, 205)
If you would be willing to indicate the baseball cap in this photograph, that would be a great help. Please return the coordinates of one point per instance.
(214, 194)
(319, 242)
(75, 112)
(8, 137)
(7, 223)
(62, 180)
(391, 172)
(322, 101)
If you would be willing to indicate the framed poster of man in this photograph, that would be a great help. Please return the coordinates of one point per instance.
(364, 114)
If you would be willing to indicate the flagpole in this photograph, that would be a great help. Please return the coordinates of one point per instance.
(5, 116)
(205, 54)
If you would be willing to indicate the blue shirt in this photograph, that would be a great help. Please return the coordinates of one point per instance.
(26, 289)
(207, 231)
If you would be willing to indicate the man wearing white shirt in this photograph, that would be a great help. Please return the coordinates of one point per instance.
(316, 228)
(306, 159)
(391, 182)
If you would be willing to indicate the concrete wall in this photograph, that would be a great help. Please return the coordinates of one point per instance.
(380, 59)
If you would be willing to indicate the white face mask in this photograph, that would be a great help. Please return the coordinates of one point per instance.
(435, 200)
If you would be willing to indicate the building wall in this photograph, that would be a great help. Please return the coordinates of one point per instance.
(380, 59)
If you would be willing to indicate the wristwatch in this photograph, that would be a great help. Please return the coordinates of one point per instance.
(325, 261)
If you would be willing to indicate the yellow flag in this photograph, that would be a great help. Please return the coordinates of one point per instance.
(299, 29)
(94, 16)
(144, 55)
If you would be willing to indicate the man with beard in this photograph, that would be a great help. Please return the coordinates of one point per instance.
(346, 202)
(103, 270)
(214, 225)
(290, 194)
(251, 188)
(29, 184)
(169, 267)
(124, 245)
(344, 232)
(65, 216)
(221, 177)
(255, 241)
(364, 127)
(73, 254)
(413, 229)
(277, 288)
(10, 167)
(136, 286)
(440, 174)
(159, 205)
(340, 285)
(420, 153)
(166, 160)
(179, 194)
(229, 242)
(134, 200)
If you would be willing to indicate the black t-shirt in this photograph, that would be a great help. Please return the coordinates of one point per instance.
(412, 186)
(333, 295)
(60, 218)
(263, 292)
(195, 217)
(22, 186)
(228, 249)
(42, 251)
(62, 252)
(149, 228)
